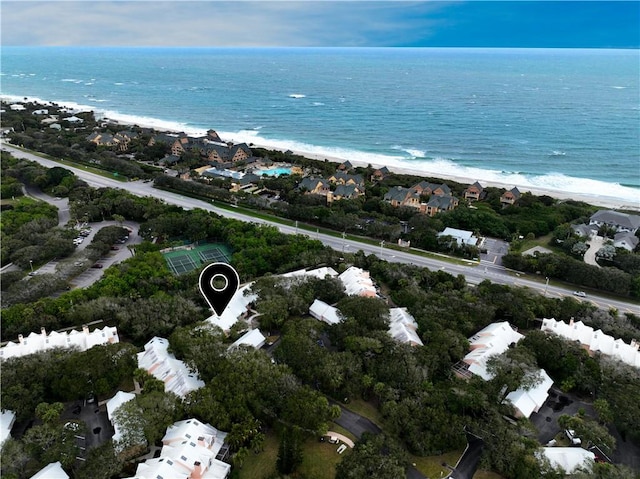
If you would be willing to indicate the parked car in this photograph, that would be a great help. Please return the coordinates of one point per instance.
(114, 248)
(581, 294)
(571, 435)
(97, 266)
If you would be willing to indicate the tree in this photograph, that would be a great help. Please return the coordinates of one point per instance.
(49, 413)
(13, 459)
(102, 462)
(373, 457)
(289, 451)
(515, 368)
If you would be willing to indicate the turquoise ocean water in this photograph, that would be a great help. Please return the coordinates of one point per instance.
(565, 120)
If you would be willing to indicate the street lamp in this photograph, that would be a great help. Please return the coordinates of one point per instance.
(31, 264)
(381, 246)
(546, 286)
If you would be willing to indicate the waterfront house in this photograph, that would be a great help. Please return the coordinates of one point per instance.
(510, 197)
(380, 174)
(621, 222)
(475, 192)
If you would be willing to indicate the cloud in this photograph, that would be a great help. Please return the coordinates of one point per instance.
(215, 23)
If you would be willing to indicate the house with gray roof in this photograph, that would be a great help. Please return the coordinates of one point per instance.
(341, 178)
(380, 174)
(511, 196)
(440, 204)
(475, 192)
(427, 188)
(585, 230)
(314, 186)
(346, 192)
(401, 196)
(621, 222)
(626, 240)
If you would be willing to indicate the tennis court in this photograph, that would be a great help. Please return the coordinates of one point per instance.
(211, 255)
(182, 260)
(181, 263)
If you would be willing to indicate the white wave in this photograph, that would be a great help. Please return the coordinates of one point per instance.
(558, 183)
(317, 103)
(297, 95)
(70, 80)
(413, 153)
(615, 87)
(557, 153)
(118, 83)
(89, 83)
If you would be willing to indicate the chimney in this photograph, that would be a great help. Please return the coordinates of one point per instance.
(85, 329)
(43, 331)
(21, 338)
(571, 322)
(635, 344)
(197, 471)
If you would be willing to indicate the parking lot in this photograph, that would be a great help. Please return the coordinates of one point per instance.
(495, 248)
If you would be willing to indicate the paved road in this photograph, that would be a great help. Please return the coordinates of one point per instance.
(473, 273)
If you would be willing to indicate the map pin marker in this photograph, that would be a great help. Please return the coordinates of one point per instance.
(218, 283)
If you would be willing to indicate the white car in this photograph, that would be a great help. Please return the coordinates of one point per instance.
(581, 294)
(571, 435)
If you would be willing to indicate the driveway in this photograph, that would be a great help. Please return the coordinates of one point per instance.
(595, 243)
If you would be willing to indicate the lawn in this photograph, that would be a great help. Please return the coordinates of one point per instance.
(431, 466)
(319, 460)
(366, 409)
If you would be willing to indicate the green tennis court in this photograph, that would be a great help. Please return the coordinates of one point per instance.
(183, 260)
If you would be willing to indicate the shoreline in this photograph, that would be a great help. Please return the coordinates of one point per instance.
(595, 200)
(604, 201)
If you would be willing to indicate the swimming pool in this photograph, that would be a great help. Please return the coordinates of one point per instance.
(275, 171)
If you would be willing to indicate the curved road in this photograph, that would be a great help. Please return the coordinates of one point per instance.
(474, 274)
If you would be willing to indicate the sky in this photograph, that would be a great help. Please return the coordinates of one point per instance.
(308, 23)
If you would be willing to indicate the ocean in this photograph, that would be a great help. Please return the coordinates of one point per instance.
(556, 119)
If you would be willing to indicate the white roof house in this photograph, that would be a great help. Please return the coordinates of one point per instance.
(82, 340)
(113, 404)
(7, 418)
(237, 307)
(595, 341)
(358, 282)
(189, 451)
(51, 471)
(403, 327)
(567, 458)
(531, 400)
(316, 273)
(253, 338)
(462, 237)
(490, 341)
(324, 312)
(157, 361)
(494, 340)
